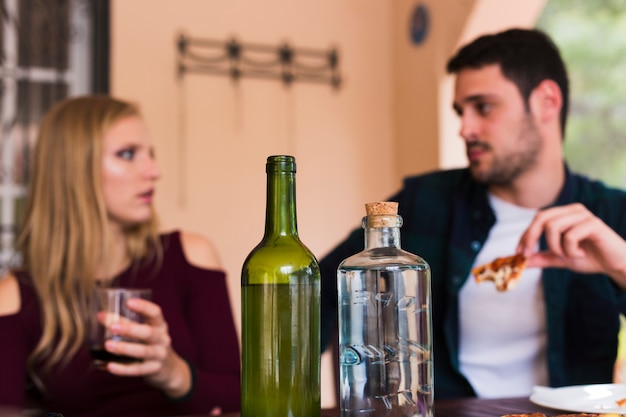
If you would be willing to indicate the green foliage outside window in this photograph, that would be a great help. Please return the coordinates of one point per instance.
(592, 38)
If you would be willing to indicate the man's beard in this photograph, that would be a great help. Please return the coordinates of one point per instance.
(505, 169)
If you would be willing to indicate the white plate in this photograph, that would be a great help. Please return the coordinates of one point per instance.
(595, 398)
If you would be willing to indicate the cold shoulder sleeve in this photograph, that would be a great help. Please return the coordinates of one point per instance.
(215, 357)
(217, 367)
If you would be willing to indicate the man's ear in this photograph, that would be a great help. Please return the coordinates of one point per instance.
(546, 101)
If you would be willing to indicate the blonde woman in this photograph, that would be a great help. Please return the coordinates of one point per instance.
(90, 221)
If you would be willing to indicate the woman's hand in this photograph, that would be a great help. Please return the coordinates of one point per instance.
(161, 366)
(577, 240)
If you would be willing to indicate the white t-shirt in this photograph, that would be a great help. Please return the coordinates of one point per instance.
(503, 334)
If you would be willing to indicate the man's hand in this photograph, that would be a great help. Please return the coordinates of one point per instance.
(577, 240)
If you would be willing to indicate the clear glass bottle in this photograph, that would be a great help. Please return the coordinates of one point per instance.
(385, 325)
(280, 293)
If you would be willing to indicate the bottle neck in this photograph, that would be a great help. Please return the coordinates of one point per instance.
(382, 231)
(280, 212)
(382, 237)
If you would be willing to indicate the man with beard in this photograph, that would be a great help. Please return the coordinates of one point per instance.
(560, 325)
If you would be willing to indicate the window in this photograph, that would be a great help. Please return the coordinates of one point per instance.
(51, 49)
(592, 38)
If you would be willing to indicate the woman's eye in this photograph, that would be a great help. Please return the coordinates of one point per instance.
(127, 154)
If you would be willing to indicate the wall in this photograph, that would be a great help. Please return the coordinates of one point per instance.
(212, 137)
(391, 117)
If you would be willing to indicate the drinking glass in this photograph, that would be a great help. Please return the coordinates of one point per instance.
(109, 305)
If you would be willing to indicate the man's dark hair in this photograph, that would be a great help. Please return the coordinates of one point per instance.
(526, 57)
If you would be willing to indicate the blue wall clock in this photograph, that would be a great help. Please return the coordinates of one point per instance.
(419, 24)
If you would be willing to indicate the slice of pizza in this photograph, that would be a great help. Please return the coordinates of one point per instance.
(525, 415)
(505, 272)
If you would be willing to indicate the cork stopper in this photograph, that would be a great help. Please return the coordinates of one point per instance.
(382, 214)
(381, 208)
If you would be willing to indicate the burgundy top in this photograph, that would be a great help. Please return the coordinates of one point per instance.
(196, 307)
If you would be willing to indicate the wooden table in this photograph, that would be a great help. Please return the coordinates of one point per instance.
(471, 407)
(474, 407)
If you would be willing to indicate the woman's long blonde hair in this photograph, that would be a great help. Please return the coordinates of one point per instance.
(65, 234)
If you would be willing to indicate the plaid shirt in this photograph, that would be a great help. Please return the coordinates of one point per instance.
(447, 219)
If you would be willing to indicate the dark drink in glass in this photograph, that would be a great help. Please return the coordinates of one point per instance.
(101, 357)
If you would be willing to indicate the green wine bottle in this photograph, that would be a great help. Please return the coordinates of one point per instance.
(280, 293)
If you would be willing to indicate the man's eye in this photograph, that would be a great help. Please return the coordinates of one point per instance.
(127, 154)
(483, 108)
